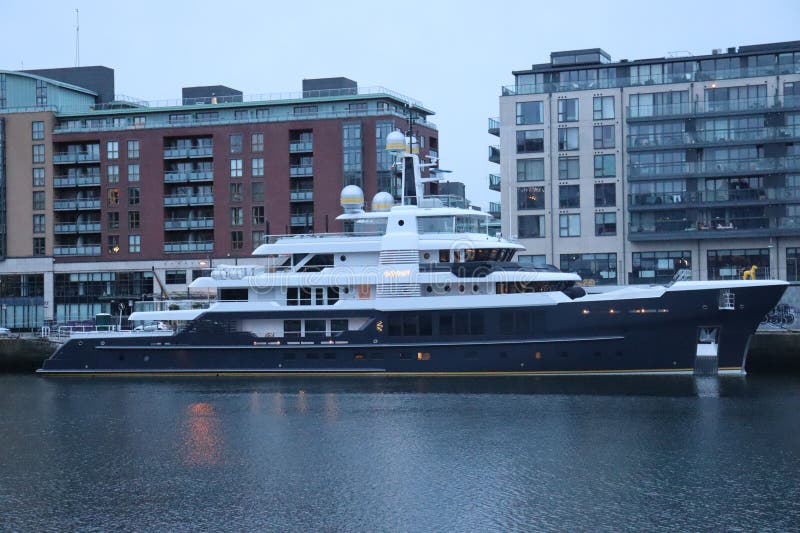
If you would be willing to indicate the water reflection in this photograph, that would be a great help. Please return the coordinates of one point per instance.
(203, 437)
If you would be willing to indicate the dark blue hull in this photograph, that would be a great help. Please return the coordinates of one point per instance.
(653, 335)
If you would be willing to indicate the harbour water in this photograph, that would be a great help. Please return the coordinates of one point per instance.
(366, 454)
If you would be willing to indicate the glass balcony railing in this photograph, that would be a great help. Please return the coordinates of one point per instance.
(669, 227)
(76, 157)
(494, 126)
(301, 146)
(192, 175)
(646, 141)
(77, 181)
(189, 223)
(703, 107)
(296, 171)
(301, 196)
(737, 272)
(74, 203)
(681, 198)
(494, 154)
(92, 249)
(494, 209)
(302, 220)
(186, 247)
(494, 182)
(84, 227)
(654, 79)
(197, 151)
(716, 167)
(183, 200)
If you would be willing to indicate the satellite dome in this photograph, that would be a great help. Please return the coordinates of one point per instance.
(352, 199)
(396, 141)
(383, 201)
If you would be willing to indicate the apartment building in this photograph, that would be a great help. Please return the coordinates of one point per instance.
(108, 200)
(626, 171)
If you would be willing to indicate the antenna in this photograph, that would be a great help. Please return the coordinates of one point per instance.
(77, 38)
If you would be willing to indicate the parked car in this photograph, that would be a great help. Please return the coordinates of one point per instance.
(5, 332)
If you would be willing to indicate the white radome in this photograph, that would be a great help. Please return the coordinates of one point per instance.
(352, 199)
(396, 142)
(383, 201)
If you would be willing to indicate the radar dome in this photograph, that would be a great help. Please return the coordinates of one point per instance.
(383, 201)
(396, 141)
(352, 199)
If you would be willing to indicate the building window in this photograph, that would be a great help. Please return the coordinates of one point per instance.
(305, 110)
(112, 173)
(133, 220)
(605, 194)
(112, 149)
(604, 137)
(793, 264)
(530, 169)
(357, 108)
(730, 264)
(236, 168)
(605, 166)
(175, 277)
(133, 172)
(41, 93)
(134, 243)
(258, 215)
(236, 143)
(113, 244)
(658, 267)
(237, 240)
(133, 149)
(530, 141)
(113, 197)
(237, 216)
(236, 192)
(258, 238)
(530, 226)
(38, 154)
(603, 108)
(39, 246)
(258, 167)
(605, 224)
(38, 177)
(595, 269)
(530, 113)
(39, 224)
(530, 198)
(257, 194)
(569, 225)
(568, 110)
(38, 200)
(208, 116)
(37, 130)
(533, 260)
(569, 196)
(569, 168)
(134, 196)
(257, 142)
(568, 139)
(113, 220)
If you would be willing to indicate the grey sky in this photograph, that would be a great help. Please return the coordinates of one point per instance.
(451, 55)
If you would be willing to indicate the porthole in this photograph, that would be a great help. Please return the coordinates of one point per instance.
(426, 255)
(447, 288)
(342, 258)
(347, 290)
(460, 288)
(475, 288)
(429, 288)
(401, 222)
(146, 358)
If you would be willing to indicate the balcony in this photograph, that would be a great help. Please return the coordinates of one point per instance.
(494, 209)
(188, 247)
(88, 227)
(92, 249)
(189, 223)
(184, 153)
(68, 158)
(643, 142)
(715, 168)
(77, 181)
(301, 195)
(184, 200)
(712, 107)
(298, 171)
(297, 147)
(302, 220)
(494, 126)
(690, 199)
(74, 203)
(191, 176)
(494, 182)
(665, 228)
(494, 154)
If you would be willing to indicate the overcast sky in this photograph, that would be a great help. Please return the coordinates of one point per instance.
(451, 55)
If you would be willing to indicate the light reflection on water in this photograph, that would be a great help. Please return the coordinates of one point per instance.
(405, 454)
